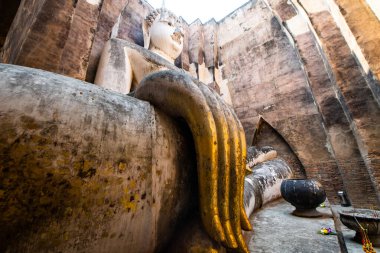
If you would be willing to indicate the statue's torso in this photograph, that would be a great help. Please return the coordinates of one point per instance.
(142, 65)
(123, 65)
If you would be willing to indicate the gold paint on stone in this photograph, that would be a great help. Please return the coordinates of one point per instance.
(220, 149)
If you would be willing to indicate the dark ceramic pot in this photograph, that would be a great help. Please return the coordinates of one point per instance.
(305, 195)
(368, 219)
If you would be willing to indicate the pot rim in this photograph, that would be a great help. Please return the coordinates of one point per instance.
(350, 214)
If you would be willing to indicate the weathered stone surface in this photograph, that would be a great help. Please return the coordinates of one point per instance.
(354, 93)
(76, 52)
(266, 78)
(283, 8)
(70, 34)
(365, 26)
(263, 185)
(24, 19)
(130, 23)
(86, 169)
(183, 61)
(210, 43)
(196, 41)
(352, 167)
(41, 51)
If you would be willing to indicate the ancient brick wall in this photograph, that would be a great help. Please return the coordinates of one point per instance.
(365, 26)
(53, 35)
(266, 78)
(344, 146)
(355, 94)
(342, 139)
(302, 89)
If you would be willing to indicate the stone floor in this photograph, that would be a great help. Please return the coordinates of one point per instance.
(276, 230)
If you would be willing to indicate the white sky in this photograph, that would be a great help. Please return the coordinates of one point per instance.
(375, 5)
(190, 10)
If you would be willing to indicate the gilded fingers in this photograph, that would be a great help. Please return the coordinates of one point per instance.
(245, 224)
(177, 95)
(220, 149)
(223, 181)
(233, 185)
(235, 175)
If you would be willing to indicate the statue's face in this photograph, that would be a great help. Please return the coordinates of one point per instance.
(168, 38)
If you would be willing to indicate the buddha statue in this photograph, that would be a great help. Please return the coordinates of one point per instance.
(123, 65)
(218, 135)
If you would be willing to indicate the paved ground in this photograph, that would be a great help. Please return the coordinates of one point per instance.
(277, 230)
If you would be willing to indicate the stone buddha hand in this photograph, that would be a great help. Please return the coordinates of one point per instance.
(220, 146)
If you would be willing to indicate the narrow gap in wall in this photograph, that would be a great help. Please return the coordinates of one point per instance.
(8, 10)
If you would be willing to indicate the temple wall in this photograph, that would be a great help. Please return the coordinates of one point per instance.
(18, 31)
(266, 78)
(53, 35)
(354, 93)
(277, 64)
(310, 68)
(363, 23)
(342, 138)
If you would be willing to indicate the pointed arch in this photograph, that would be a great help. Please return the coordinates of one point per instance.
(266, 135)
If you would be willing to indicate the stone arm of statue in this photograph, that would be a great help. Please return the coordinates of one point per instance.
(220, 148)
(114, 69)
(123, 65)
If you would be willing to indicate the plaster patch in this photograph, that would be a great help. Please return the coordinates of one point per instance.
(297, 25)
(93, 2)
(115, 28)
(204, 74)
(223, 86)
